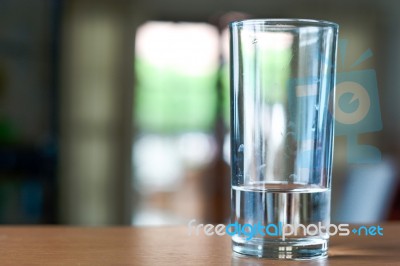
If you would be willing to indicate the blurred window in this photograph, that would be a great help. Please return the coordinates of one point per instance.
(175, 106)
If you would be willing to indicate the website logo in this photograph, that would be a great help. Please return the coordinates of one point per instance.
(281, 230)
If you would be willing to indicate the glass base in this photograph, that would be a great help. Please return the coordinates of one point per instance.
(297, 249)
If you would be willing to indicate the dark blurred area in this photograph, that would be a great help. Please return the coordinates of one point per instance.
(29, 111)
(117, 112)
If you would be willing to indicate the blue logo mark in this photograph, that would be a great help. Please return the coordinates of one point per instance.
(357, 108)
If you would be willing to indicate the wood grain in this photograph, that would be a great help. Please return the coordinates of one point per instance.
(60, 245)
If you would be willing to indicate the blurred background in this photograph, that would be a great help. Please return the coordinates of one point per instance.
(116, 112)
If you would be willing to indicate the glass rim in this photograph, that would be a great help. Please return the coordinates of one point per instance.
(278, 22)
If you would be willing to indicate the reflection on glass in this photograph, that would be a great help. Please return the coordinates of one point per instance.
(241, 260)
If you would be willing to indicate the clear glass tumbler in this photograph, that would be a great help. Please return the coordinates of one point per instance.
(282, 129)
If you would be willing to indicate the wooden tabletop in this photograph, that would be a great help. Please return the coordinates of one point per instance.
(60, 245)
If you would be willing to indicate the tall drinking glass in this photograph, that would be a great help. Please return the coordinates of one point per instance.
(282, 128)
